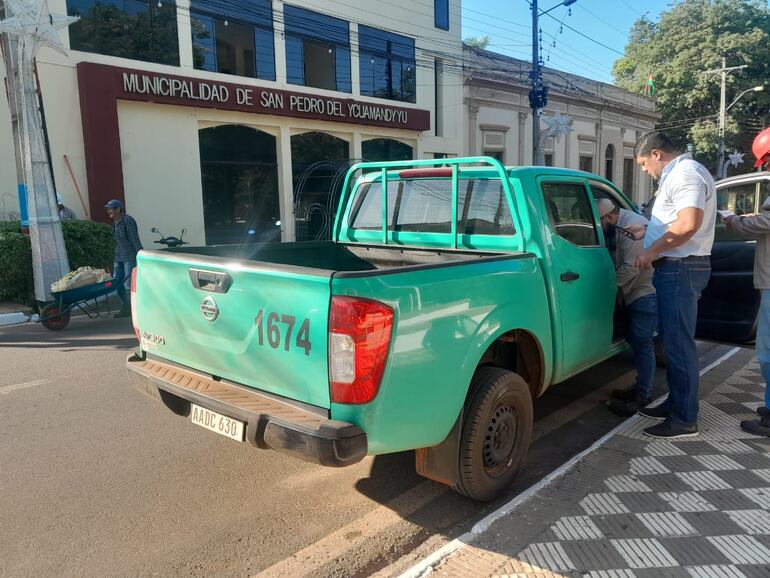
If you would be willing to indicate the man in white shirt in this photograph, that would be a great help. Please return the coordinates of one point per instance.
(678, 245)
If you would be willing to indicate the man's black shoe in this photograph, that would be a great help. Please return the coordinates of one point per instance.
(757, 427)
(623, 394)
(626, 408)
(762, 411)
(671, 430)
(657, 412)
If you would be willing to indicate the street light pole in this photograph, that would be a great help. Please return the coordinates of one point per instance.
(538, 94)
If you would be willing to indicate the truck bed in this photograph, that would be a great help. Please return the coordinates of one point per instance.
(325, 257)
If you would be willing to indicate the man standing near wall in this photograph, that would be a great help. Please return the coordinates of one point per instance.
(678, 245)
(127, 245)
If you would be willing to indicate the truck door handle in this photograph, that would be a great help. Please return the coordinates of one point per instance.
(569, 276)
(212, 281)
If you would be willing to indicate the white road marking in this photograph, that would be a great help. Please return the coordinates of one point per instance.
(18, 386)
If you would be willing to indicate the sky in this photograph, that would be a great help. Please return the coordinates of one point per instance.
(509, 25)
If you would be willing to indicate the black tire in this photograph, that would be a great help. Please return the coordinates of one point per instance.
(52, 318)
(496, 433)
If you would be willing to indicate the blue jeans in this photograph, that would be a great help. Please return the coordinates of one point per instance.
(763, 342)
(679, 285)
(121, 272)
(642, 322)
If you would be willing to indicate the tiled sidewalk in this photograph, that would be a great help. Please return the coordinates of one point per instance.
(637, 507)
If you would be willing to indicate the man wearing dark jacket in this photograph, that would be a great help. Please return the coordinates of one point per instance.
(758, 226)
(127, 245)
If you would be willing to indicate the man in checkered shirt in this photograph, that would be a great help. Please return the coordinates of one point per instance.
(127, 245)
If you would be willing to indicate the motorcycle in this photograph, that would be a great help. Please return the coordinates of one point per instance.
(170, 241)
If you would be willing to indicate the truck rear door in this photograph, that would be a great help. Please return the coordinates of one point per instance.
(250, 323)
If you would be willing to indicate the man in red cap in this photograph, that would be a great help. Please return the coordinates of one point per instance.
(759, 226)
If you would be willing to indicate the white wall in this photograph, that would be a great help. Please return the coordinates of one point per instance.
(9, 199)
(161, 170)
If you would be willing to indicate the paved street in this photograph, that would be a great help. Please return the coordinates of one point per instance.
(98, 480)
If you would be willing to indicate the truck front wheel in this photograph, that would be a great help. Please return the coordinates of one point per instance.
(496, 433)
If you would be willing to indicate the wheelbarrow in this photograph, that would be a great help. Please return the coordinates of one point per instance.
(92, 300)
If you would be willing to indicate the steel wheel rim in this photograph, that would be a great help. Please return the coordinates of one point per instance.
(500, 439)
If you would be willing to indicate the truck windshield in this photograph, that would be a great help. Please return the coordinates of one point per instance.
(425, 205)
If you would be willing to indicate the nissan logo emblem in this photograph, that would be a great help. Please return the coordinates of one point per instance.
(210, 309)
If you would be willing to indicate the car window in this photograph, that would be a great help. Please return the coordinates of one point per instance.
(602, 191)
(742, 199)
(482, 208)
(569, 212)
(425, 205)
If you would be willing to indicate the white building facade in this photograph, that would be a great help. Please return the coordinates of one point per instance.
(606, 120)
(234, 120)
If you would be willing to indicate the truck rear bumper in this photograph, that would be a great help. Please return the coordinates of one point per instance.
(271, 423)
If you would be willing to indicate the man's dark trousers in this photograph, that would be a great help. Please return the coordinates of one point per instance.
(679, 283)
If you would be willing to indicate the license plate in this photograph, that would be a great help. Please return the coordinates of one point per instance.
(217, 422)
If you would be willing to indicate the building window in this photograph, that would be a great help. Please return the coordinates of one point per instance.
(239, 173)
(385, 149)
(317, 50)
(319, 162)
(126, 28)
(441, 8)
(609, 162)
(587, 164)
(237, 41)
(548, 159)
(386, 64)
(495, 155)
(628, 177)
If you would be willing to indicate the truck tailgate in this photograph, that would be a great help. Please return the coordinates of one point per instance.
(251, 323)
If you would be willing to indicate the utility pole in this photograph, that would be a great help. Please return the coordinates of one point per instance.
(538, 94)
(33, 26)
(723, 72)
(536, 98)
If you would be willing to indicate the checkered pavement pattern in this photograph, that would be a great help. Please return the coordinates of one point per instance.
(695, 508)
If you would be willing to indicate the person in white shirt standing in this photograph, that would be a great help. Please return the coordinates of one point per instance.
(678, 245)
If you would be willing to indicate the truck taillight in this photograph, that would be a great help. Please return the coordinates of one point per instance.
(359, 339)
(133, 303)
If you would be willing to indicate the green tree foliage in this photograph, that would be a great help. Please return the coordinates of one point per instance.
(140, 31)
(478, 41)
(87, 243)
(688, 39)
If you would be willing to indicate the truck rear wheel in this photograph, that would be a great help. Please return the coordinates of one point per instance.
(496, 433)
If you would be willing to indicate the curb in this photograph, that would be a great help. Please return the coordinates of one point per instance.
(429, 564)
(15, 318)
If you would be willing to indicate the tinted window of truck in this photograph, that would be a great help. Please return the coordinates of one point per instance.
(425, 205)
(569, 212)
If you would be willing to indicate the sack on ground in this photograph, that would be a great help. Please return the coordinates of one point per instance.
(80, 278)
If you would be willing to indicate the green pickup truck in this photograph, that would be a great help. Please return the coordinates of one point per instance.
(453, 293)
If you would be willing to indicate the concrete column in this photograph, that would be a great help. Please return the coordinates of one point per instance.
(355, 69)
(280, 45)
(522, 128)
(355, 149)
(473, 112)
(285, 185)
(184, 32)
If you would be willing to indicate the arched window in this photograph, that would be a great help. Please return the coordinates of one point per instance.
(318, 162)
(609, 162)
(239, 171)
(385, 149)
